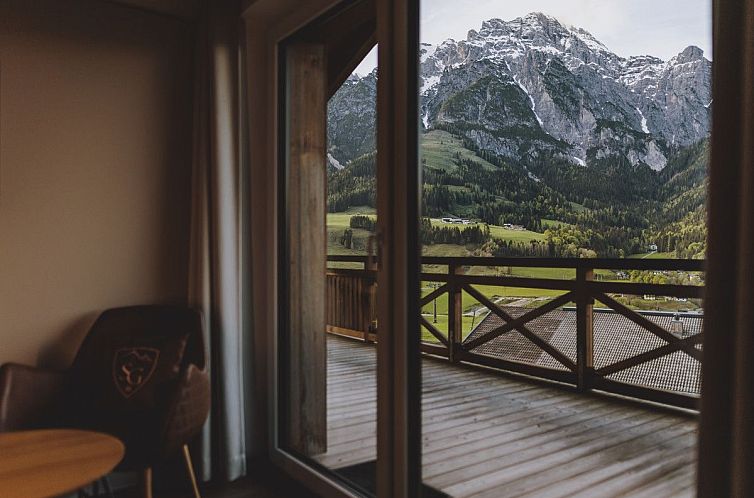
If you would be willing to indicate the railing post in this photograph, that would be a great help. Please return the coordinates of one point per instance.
(370, 263)
(455, 312)
(584, 329)
(370, 294)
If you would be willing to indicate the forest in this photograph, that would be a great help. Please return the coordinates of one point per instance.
(606, 209)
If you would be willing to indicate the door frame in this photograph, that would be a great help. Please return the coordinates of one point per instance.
(398, 281)
(267, 24)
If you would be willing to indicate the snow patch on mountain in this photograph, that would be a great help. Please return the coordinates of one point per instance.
(579, 161)
(334, 162)
(531, 99)
(644, 127)
(429, 83)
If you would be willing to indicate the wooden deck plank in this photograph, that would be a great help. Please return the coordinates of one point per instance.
(656, 472)
(437, 407)
(580, 470)
(677, 483)
(508, 425)
(486, 434)
(455, 429)
(584, 474)
(482, 469)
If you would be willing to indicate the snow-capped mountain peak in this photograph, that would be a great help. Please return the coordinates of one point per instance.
(534, 85)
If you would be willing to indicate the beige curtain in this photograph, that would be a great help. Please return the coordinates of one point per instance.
(726, 444)
(217, 282)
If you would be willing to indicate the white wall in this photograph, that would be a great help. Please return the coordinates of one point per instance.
(95, 129)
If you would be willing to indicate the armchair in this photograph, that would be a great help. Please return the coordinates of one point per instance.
(139, 375)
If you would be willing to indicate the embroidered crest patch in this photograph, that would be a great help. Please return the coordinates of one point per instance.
(132, 368)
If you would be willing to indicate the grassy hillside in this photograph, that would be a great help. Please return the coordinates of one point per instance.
(514, 235)
(653, 255)
(608, 209)
(338, 222)
(440, 150)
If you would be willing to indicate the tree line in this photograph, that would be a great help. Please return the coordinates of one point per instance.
(609, 209)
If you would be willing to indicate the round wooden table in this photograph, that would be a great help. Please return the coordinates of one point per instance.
(47, 463)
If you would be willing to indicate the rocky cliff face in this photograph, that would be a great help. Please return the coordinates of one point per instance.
(352, 120)
(531, 85)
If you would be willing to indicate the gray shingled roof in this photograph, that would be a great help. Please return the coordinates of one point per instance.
(615, 338)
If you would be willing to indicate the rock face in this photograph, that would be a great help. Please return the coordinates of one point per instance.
(351, 120)
(532, 85)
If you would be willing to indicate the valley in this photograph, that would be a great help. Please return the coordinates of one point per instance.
(534, 124)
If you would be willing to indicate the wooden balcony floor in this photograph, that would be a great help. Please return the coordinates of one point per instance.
(492, 435)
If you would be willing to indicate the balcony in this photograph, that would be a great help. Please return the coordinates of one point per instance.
(567, 394)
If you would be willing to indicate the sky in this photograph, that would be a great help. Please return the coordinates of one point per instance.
(662, 28)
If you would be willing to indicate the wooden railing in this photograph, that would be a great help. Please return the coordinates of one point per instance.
(351, 303)
(351, 311)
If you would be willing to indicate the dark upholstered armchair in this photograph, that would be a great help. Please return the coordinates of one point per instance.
(139, 375)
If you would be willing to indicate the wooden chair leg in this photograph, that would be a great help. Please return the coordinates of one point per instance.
(106, 486)
(147, 483)
(190, 470)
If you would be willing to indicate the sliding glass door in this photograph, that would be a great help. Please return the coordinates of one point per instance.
(564, 148)
(347, 370)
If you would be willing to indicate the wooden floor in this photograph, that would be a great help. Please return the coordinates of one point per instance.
(263, 481)
(492, 435)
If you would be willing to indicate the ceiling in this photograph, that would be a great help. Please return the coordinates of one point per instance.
(177, 8)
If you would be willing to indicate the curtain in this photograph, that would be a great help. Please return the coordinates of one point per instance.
(218, 284)
(726, 440)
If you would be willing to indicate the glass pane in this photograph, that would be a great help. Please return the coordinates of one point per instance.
(564, 151)
(328, 399)
(352, 277)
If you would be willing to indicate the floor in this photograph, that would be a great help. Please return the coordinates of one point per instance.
(493, 435)
(267, 482)
(274, 485)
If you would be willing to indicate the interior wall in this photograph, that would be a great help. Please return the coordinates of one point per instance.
(95, 155)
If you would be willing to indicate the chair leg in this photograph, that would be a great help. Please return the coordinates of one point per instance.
(190, 470)
(90, 491)
(147, 483)
(106, 486)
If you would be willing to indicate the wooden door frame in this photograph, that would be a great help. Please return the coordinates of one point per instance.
(267, 24)
(398, 208)
(722, 468)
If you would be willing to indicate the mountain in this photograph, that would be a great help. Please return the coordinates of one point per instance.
(535, 123)
(531, 85)
(351, 120)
